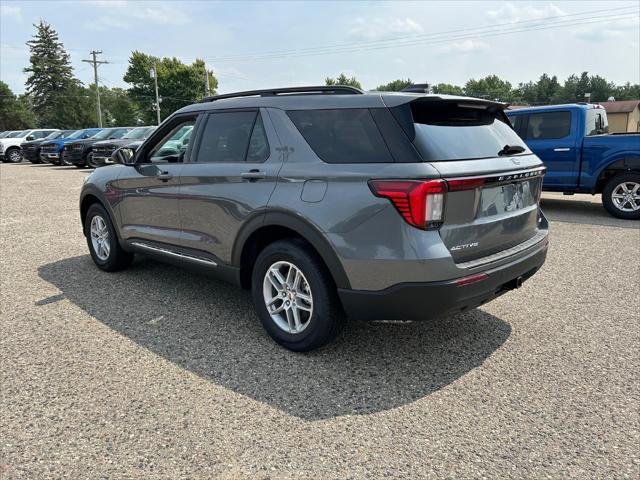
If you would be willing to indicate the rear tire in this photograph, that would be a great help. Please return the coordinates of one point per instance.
(102, 240)
(320, 317)
(621, 196)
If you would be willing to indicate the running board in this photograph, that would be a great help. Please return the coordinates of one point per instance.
(172, 253)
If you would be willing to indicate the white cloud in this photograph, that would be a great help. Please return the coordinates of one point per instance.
(510, 13)
(12, 11)
(380, 28)
(153, 13)
(605, 30)
(160, 14)
(109, 3)
(464, 46)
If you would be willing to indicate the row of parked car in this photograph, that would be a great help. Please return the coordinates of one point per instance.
(89, 147)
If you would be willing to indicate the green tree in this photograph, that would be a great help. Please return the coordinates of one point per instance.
(627, 92)
(342, 79)
(447, 89)
(50, 85)
(178, 84)
(395, 86)
(118, 109)
(491, 87)
(537, 93)
(15, 112)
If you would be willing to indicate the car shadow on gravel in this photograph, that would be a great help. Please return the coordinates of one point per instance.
(568, 210)
(209, 328)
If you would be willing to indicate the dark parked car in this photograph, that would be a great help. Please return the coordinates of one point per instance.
(80, 152)
(329, 203)
(31, 150)
(52, 150)
(103, 150)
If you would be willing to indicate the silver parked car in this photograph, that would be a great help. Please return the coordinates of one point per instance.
(329, 203)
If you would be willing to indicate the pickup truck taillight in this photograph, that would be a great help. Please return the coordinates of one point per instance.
(420, 203)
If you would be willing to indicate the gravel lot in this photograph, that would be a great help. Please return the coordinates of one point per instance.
(159, 373)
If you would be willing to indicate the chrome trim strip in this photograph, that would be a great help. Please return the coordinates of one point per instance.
(171, 253)
(508, 176)
(537, 238)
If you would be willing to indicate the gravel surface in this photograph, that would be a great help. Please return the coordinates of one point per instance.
(159, 373)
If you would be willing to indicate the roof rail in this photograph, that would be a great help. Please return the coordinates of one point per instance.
(318, 90)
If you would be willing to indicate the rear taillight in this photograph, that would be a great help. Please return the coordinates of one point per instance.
(421, 204)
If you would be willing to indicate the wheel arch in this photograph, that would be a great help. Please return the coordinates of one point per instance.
(90, 198)
(616, 167)
(272, 226)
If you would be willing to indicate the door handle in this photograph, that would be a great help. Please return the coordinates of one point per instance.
(253, 175)
(164, 176)
(562, 149)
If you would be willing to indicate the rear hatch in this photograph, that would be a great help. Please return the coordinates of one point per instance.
(493, 181)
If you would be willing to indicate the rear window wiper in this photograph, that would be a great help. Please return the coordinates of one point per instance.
(511, 150)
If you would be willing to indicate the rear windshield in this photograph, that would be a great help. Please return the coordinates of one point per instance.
(347, 135)
(444, 131)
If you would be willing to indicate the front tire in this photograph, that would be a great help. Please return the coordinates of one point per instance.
(104, 247)
(13, 155)
(88, 160)
(621, 196)
(295, 296)
(62, 161)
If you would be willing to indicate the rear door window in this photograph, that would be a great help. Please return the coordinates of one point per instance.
(226, 137)
(517, 121)
(342, 135)
(548, 125)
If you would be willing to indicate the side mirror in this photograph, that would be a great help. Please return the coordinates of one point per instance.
(30, 137)
(124, 156)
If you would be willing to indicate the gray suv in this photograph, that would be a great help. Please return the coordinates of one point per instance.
(329, 203)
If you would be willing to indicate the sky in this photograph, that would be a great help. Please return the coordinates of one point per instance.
(251, 45)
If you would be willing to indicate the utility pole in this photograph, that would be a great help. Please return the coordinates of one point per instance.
(95, 64)
(154, 74)
(207, 88)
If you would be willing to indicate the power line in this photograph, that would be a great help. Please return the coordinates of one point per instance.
(428, 39)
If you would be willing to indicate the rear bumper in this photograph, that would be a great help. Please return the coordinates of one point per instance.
(425, 300)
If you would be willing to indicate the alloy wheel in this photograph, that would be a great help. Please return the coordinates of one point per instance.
(15, 156)
(626, 196)
(100, 238)
(287, 296)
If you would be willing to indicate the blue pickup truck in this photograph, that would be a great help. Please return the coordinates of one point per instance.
(581, 156)
(52, 151)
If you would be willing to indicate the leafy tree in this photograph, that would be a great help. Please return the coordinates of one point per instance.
(50, 84)
(15, 112)
(118, 109)
(395, 86)
(491, 87)
(538, 93)
(342, 79)
(626, 92)
(447, 89)
(178, 84)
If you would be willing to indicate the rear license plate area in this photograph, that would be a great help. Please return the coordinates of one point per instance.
(508, 197)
